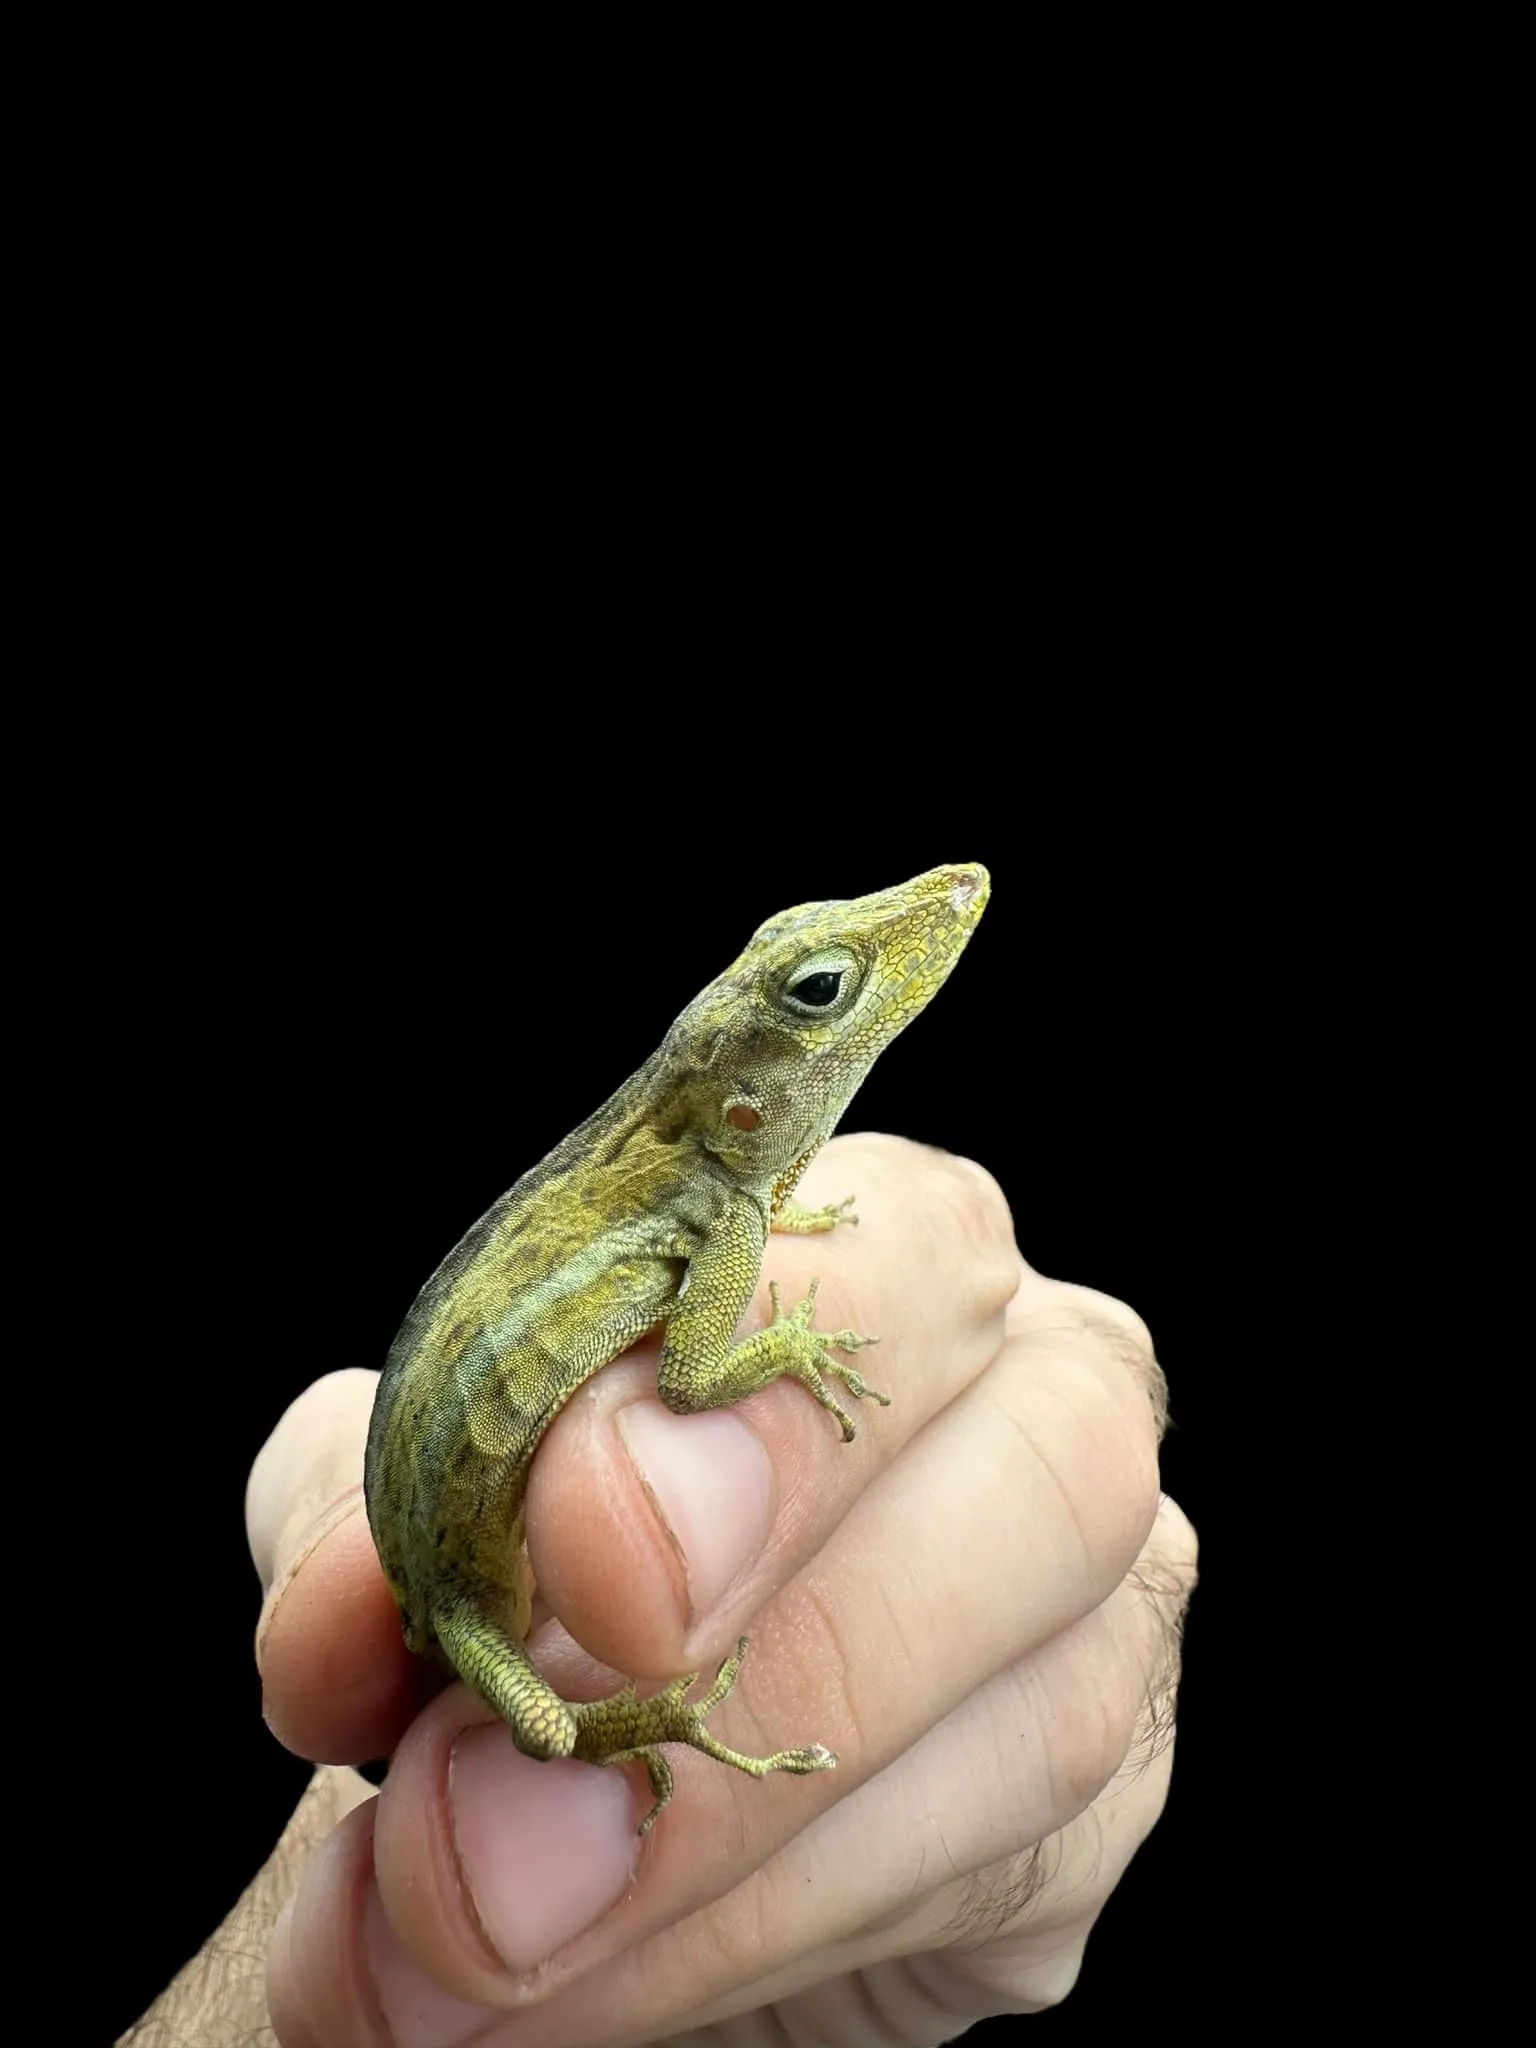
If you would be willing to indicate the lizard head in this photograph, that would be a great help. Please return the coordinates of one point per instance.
(772, 1053)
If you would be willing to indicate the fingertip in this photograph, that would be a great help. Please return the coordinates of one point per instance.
(489, 1865)
(571, 1855)
(708, 1478)
(420, 2013)
(640, 1521)
(319, 1982)
(338, 1684)
(287, 2021)
(309, 1468)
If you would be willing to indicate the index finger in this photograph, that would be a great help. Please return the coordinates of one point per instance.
(338, 1684)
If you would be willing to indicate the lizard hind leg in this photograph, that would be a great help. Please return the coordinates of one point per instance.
(495, 1665)
(623, 1728)
(619, 1729)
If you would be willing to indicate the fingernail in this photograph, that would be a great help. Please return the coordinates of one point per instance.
(307, 1470)
(712, 1484)
(288, 2023)
(419, 2012)
(543, 1848)
(296, 1543)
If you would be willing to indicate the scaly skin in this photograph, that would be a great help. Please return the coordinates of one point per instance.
(655, 1211)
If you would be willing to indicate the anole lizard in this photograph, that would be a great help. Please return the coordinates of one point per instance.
(655, 1211)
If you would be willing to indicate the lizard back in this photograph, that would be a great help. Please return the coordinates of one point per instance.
(577, 1261)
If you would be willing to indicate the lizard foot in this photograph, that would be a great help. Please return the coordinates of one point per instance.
(794, 1221)
(804, 1355)
(621, 1729)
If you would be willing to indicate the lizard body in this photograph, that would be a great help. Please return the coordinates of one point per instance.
(654, 1211)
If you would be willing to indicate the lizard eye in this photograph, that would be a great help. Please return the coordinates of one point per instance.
(823, 984)
(818, 989)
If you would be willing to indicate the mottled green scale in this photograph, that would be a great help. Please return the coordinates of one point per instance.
(655, 1211)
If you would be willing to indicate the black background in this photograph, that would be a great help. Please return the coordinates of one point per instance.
(370, 1003)
(482, 595)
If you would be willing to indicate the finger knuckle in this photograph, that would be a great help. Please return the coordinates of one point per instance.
(974, 1212)
(1107, 1332)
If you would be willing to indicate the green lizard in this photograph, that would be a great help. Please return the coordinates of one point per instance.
(655, 1211)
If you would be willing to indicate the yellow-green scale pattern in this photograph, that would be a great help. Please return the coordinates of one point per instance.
(655, 1211)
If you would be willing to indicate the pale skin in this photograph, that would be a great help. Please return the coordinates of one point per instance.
(975, 1604)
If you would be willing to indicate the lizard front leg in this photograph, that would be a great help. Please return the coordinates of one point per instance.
(700, 1366)
(794, 1221)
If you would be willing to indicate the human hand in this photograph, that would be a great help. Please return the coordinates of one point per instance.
(975, 1605)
